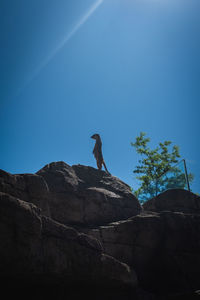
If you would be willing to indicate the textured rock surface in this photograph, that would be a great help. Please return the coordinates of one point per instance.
(73, 195)
(174, 200)
(83, 195)
(34, 247)
(160, 241)
(163, 248)
(28, 187)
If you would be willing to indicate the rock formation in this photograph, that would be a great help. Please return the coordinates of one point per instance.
(81, 227)
(163, 248)
(175, 200)
(34, 244)
(37, 247)
(77, 195)
(38, 250)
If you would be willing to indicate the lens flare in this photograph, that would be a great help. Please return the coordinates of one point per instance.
(63, 42)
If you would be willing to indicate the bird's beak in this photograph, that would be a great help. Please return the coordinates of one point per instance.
(92, 137)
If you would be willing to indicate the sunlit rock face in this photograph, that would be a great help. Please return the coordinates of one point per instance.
(73, 195)
(86, 196)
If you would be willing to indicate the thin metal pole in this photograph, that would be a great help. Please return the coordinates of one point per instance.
(186, 175)
(156, 187)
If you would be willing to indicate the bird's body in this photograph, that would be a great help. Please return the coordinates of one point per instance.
(97, 151)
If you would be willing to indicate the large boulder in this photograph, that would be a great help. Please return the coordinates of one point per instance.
(31, 188)
(174, 200)
(163, 248)
(86, 196)
(35, 248)
(77, 195)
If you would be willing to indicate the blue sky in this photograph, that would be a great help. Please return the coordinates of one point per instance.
(117, 67)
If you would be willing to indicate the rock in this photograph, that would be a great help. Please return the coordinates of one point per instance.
(28, 187)
(39, 243)
(76, 195)
(174, 200)
(86, 196)
(35, 248)
(163, 248)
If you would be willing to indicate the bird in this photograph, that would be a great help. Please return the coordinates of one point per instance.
(97, 151)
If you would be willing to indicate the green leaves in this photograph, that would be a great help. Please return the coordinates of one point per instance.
(153, 164)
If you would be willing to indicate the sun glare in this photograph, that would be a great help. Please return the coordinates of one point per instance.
(63, 42)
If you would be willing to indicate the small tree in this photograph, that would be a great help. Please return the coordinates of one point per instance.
(153, 165)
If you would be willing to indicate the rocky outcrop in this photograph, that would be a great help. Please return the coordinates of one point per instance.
(163, 248)
(77, 195)
(86, 196)
(123, 244)
(27, 187)
(174, 200)
(38, 249)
